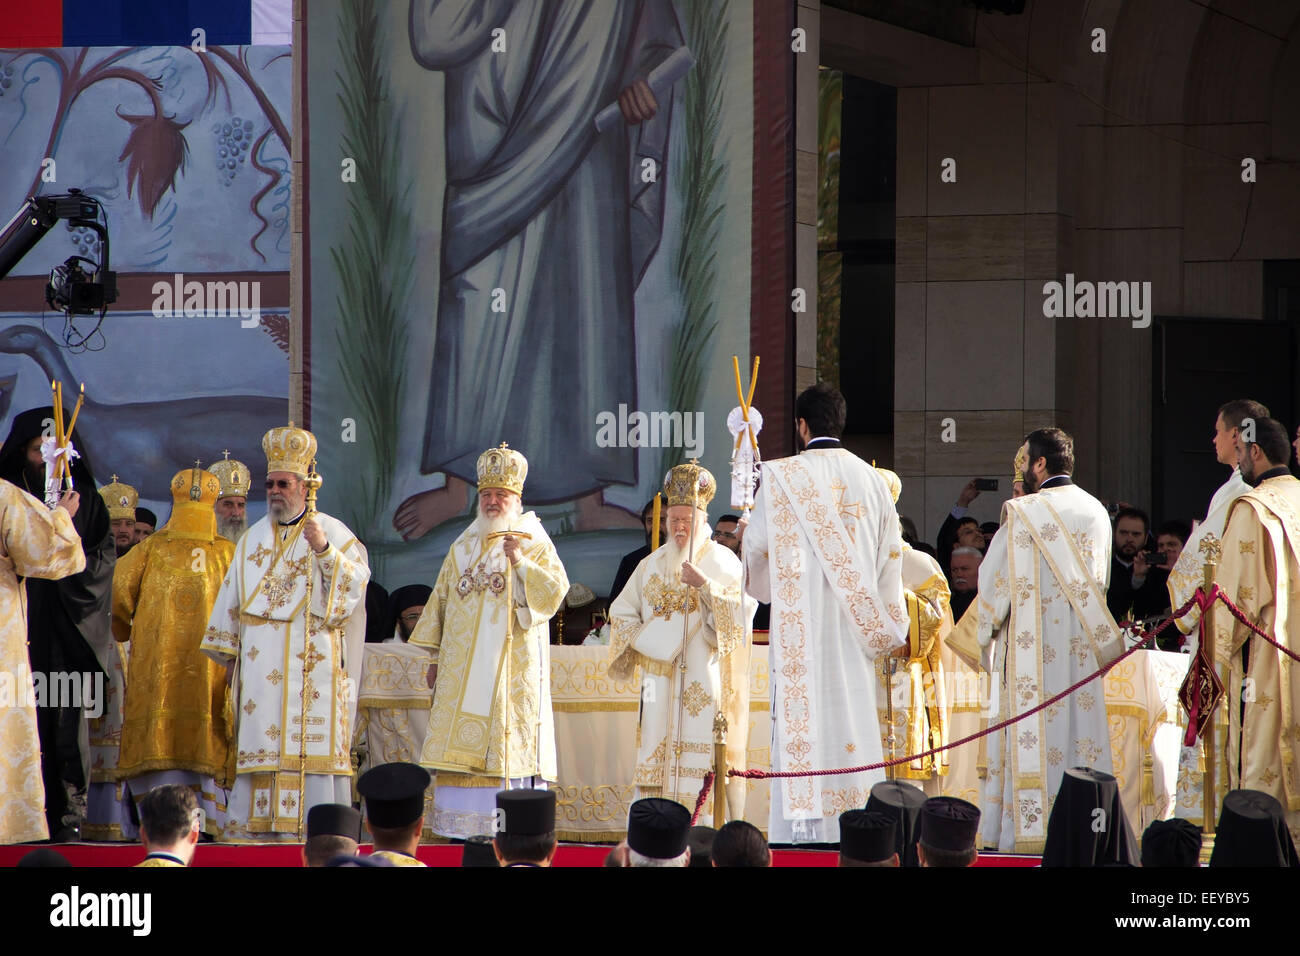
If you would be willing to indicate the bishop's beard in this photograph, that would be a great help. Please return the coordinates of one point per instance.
(231, 528)
(508, 520)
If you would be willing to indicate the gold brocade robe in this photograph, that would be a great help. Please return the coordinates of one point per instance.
(692, 645)
(920, 706)
(464, 628)
(1260, 572)
(35, 542)
(163, 592)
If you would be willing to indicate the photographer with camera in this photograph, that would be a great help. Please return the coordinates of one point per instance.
(1137, 581)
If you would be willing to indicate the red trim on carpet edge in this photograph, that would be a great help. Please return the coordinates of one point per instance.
(290, 854)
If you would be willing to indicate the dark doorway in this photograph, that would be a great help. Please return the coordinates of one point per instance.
(1199, 365)
(868, 159)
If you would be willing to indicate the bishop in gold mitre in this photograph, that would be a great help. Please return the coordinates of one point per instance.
(233, 500)
(292, 690)
(919, 693)
(121, 499)
(487, 627)
(174, 729)
(684, 619)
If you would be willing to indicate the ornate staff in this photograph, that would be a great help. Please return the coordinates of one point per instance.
(686, 635)
(313, 481)
(510, 626)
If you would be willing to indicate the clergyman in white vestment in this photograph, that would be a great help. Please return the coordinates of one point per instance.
(823, 546)
(1043, 625)
(260, 629)
(683, 618)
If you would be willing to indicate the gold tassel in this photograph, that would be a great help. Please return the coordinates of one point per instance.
(1148, 796)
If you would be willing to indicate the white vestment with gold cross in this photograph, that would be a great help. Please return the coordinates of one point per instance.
(692, 645)
(464, 628)
(823, 546)
(260, 620)
(1044, 625)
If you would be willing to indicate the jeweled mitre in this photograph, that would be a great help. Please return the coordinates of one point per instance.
(289, 449)
(502, 467)
(684, 482)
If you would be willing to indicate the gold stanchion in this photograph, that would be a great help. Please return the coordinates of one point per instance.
(719, 770)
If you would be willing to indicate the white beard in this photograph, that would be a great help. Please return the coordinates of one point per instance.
(677, 555)
(506, 521)
(231, 528)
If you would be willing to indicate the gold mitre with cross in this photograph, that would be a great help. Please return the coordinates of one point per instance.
(502, 467)
(289, 449)
(689, 484)
(195, 486)
(892, 480)
(234, 477)
(120, 498)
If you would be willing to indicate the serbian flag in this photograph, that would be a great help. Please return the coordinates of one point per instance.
(58, 23)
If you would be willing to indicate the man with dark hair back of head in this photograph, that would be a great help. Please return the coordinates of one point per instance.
(332, 830)
(1137, 583)
(526, 837)
(868, 838)
(170, 821)
(949, 827)
(1187, 573)
(823, 410)
(394, 800)
(740, 844)
(701, 844)
(1259, 566)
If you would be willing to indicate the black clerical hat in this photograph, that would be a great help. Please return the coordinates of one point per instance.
(1252, 832)
(948, 823)
(394, 794)
(902, 802)
(526, 812)
(479, 852)
(1171, 843)
(868, 836)
(1088, 825)
(333, 819)
(658, 828)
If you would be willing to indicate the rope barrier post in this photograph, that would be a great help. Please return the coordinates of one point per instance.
(719, 770)
(1212, 549)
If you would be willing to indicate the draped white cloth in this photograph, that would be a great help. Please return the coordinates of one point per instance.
(823, 547)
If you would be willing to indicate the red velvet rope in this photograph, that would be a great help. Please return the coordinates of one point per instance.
(1150, 636)
(704, 795)
(1201, 599)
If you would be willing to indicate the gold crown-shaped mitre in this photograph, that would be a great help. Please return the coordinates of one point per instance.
(682, 481)
(289, 449)
(234, 477)
(502, 467)
(120, 498)
(197, 486)
(893, 481)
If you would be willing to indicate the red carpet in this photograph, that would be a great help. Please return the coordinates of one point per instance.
(570, 854)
